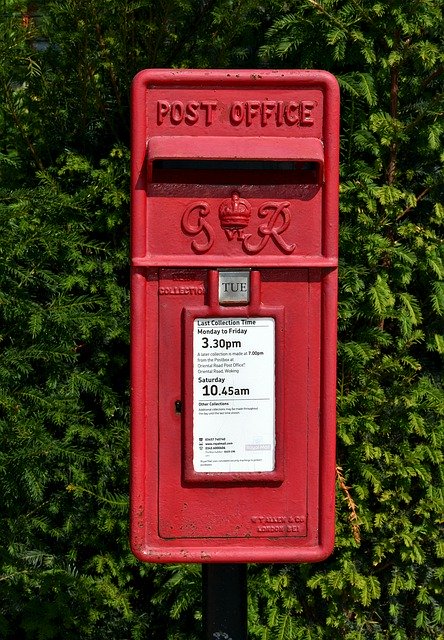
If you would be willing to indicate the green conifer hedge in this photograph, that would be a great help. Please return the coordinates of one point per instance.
(65, 567)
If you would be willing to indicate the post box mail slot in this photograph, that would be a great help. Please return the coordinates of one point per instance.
(233, 338)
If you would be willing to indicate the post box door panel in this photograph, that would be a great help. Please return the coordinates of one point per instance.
(261, 507)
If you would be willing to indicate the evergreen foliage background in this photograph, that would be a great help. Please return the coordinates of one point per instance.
(65, 566)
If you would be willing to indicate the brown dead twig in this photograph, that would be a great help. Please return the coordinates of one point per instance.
(353, 515)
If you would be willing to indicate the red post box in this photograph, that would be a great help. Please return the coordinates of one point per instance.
(234, 288)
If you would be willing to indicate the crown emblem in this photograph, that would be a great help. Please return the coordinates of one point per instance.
(234, 213)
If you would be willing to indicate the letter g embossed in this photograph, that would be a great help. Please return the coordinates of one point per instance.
(194, 223)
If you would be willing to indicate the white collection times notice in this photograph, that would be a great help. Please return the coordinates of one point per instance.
(234, 394)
